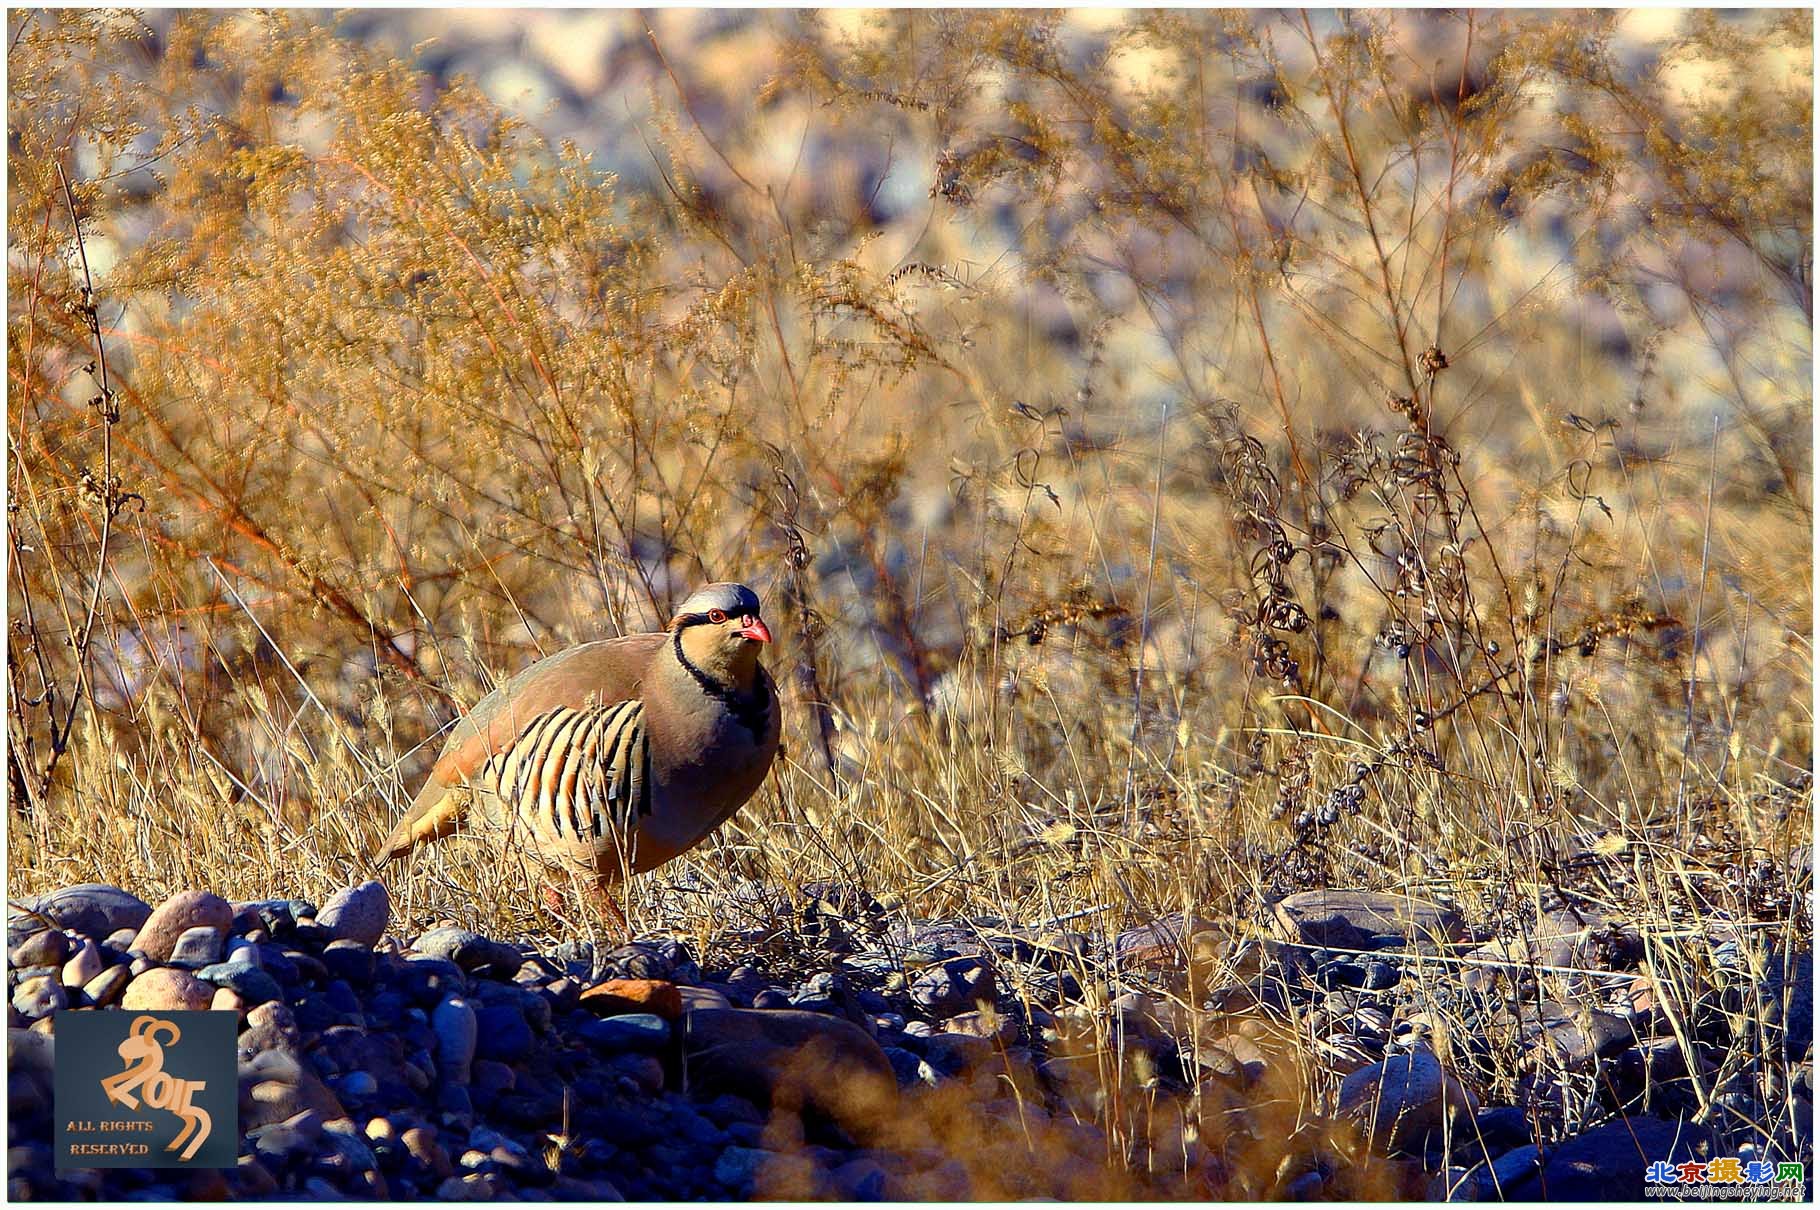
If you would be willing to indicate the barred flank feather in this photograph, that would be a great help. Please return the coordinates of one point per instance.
(576, 774)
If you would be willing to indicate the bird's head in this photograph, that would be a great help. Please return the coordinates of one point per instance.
(720, 630)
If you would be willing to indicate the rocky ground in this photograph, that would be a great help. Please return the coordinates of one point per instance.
(1359, 1049)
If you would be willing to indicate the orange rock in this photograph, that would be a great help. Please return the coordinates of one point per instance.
(617, 996)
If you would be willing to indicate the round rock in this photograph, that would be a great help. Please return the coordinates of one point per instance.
(504, 1034)
(1402, 1100)
(737, 1168)
(252, 985)
(39, 997)
(349, 960)
(167, 990)
(197, 947)
(177, 915)
(84, 965)
(457, 1030)
(644, 1033)
(471, 951)
(953, 987)
(358, 913)
(106, 987)
(48, 948)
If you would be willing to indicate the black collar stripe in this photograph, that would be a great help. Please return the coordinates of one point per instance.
(750, 709)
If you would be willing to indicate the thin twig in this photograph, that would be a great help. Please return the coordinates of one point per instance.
(1693, 659)
(111, 500)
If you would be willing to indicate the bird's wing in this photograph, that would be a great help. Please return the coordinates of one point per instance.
(593, 674)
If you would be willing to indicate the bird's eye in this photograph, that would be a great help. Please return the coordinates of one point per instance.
(717, 616)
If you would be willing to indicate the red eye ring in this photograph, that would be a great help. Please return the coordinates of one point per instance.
(717, 616)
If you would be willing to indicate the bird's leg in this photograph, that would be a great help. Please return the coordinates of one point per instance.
(604, 899)
(596, 894)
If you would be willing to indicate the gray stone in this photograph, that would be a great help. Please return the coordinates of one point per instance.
(786, 1057)
(343, 1136)
(503, 1033)
(16, 975)
(166, 989)
(1607, 1163)
(474, 1187)
(860, 1180)
(31, 1053)
(457, 1031)
(737, 1168)
(910, 1069)
(1500, 1129)
(644, 1033)
(275, 1015)
(954, 1054)
(1305, 1188)
(251, 984)
(455, 1104)
(953, 987)
(92, 909)
(471, 951)
(1787, 994)
(357, 1085)
(490, 1078)
(575, 1189)
(1513, 1167)
(197, 947)
(1455, 1184)
(108, 986)
(537, 1010)
(358, 913)
(1577, 1035)
(431, 980)
(39, 997)
(1402, 1100)
(644, 1072)
(1362, 920)
(349, 960)
(47, 948)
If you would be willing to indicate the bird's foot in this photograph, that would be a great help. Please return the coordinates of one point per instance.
(595, 896)
(608, 904)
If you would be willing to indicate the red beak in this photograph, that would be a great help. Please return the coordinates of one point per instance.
(754, 629)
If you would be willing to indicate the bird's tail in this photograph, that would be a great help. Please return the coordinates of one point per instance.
(437, 812)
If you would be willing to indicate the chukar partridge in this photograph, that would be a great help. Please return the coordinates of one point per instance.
(611, 758)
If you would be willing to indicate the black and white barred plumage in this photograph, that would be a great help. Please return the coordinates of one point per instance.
(577, 774)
